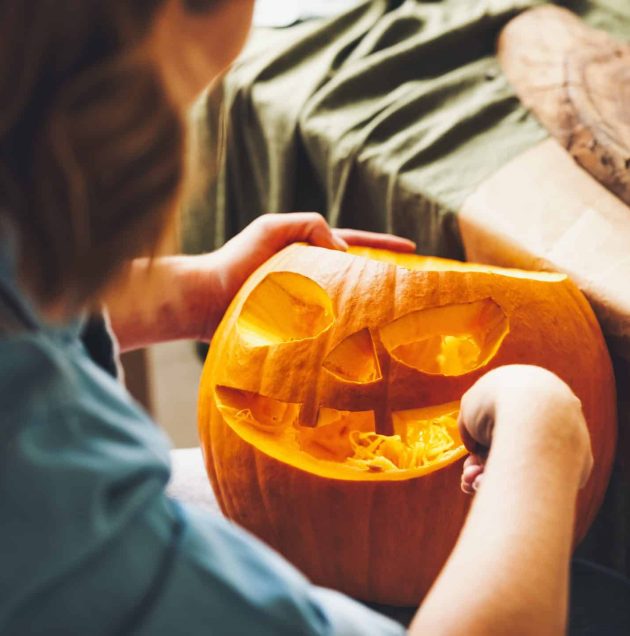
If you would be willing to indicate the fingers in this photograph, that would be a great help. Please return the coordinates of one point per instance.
(471, 483)
(588, 467)
(476, 419)
(311, 227)
(374, 239)
(280, 230)
(510, 388)
(473, 460)
(524, 398)
(472, 474)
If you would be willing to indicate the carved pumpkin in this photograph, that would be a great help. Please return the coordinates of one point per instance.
(329, 401)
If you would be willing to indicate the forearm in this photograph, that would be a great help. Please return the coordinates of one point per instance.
(186, 296)
(161, 300)
(509, 570)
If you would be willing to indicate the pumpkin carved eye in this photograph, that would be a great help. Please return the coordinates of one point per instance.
(354, 359)
(285, 307)
(451, 340)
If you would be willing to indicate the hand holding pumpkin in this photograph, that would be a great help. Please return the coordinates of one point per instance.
(530, 397)
(185, 297)
(270, 233)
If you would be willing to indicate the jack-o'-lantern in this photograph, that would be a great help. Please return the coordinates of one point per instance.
(329, 403)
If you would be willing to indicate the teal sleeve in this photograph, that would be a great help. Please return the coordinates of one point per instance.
(89, 542)
(223, 581)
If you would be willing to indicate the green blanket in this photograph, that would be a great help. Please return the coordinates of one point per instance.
(385, 118)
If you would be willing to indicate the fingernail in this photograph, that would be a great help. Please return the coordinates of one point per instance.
(340, 243)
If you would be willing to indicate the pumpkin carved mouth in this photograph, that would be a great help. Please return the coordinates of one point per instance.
(372, 434)
(345, 444)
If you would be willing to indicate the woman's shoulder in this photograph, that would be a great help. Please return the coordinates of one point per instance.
(32, 367)
(80, 463)
(52, 394)
(45, 369)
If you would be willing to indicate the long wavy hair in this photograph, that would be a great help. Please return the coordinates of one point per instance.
(90, 146)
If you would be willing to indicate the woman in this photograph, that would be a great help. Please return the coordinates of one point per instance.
(92, 100)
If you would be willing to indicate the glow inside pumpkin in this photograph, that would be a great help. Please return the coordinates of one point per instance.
(344, 444)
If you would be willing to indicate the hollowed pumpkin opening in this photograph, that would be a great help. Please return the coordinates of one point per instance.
(423, 438)
(285, 307)
(251, 409)
(415, 262)
(344, 444)
(451, 340)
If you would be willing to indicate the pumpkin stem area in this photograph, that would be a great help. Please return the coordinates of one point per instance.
(344, 441)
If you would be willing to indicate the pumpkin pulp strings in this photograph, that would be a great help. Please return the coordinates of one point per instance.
(427, 442)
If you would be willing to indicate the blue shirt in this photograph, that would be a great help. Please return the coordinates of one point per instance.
(89, 542)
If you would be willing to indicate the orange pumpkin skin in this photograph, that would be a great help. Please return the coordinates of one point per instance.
(380, 537)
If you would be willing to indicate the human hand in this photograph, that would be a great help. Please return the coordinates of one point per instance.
(508, 395)
(268, 234)
(177, 297)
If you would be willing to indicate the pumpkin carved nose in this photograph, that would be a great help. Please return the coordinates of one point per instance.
(354, 359)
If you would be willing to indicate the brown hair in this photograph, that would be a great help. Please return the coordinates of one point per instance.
(90, 146)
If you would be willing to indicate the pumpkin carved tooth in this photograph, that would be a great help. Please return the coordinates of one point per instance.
(255, 410)
(330, 438)
(329, 401)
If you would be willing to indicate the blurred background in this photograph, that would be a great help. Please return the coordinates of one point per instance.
(282, 13)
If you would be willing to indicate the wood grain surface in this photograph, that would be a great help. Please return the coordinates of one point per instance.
(576, 80)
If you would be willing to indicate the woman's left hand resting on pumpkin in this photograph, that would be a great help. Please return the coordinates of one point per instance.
(179, 297)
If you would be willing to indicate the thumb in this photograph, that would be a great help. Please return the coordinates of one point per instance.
(476, 420)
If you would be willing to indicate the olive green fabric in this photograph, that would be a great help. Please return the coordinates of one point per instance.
(385, 118)
(611, 15)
